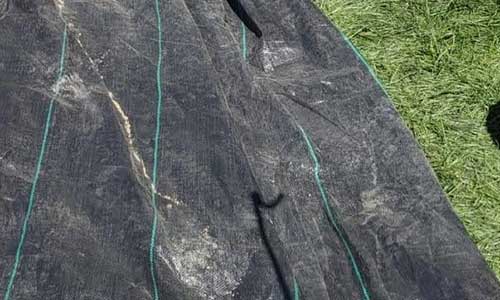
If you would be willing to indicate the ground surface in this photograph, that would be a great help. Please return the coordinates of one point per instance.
(440, 62)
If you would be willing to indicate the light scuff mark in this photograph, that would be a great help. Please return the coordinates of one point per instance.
(204, 264)
(70, 88)
(72, 93)
(138, 165)
(59, 4)
(276, 54)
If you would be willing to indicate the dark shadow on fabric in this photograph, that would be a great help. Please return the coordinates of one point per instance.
(240, 11)
(257, 204)
(493, 123)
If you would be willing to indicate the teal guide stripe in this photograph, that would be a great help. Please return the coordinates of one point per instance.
(159, 100)
(41, 156)
(244, 41)
(330, 215)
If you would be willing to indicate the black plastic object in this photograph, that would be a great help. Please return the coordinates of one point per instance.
(245, 18)
(258, 203)
(493, 123)
(301, 115)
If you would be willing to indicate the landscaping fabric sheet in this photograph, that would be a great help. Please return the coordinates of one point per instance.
(133, 134)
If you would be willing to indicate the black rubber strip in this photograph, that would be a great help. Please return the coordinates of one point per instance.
(257, 203)
(240, 11)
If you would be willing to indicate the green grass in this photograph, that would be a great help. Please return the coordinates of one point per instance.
(440, 63)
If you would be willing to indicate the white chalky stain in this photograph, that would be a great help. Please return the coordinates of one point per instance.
(202, 264)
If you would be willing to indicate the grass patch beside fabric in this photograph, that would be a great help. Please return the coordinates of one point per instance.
(440, 63)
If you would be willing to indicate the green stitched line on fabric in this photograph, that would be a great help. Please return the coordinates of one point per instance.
(363, 60)
(296, 290)
(48, 121)
(329, 212)
(155, 155)
(244, 41)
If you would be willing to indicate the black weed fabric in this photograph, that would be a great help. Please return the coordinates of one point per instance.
(242, 84)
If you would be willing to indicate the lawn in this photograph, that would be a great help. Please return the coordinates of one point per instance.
(440, 63)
